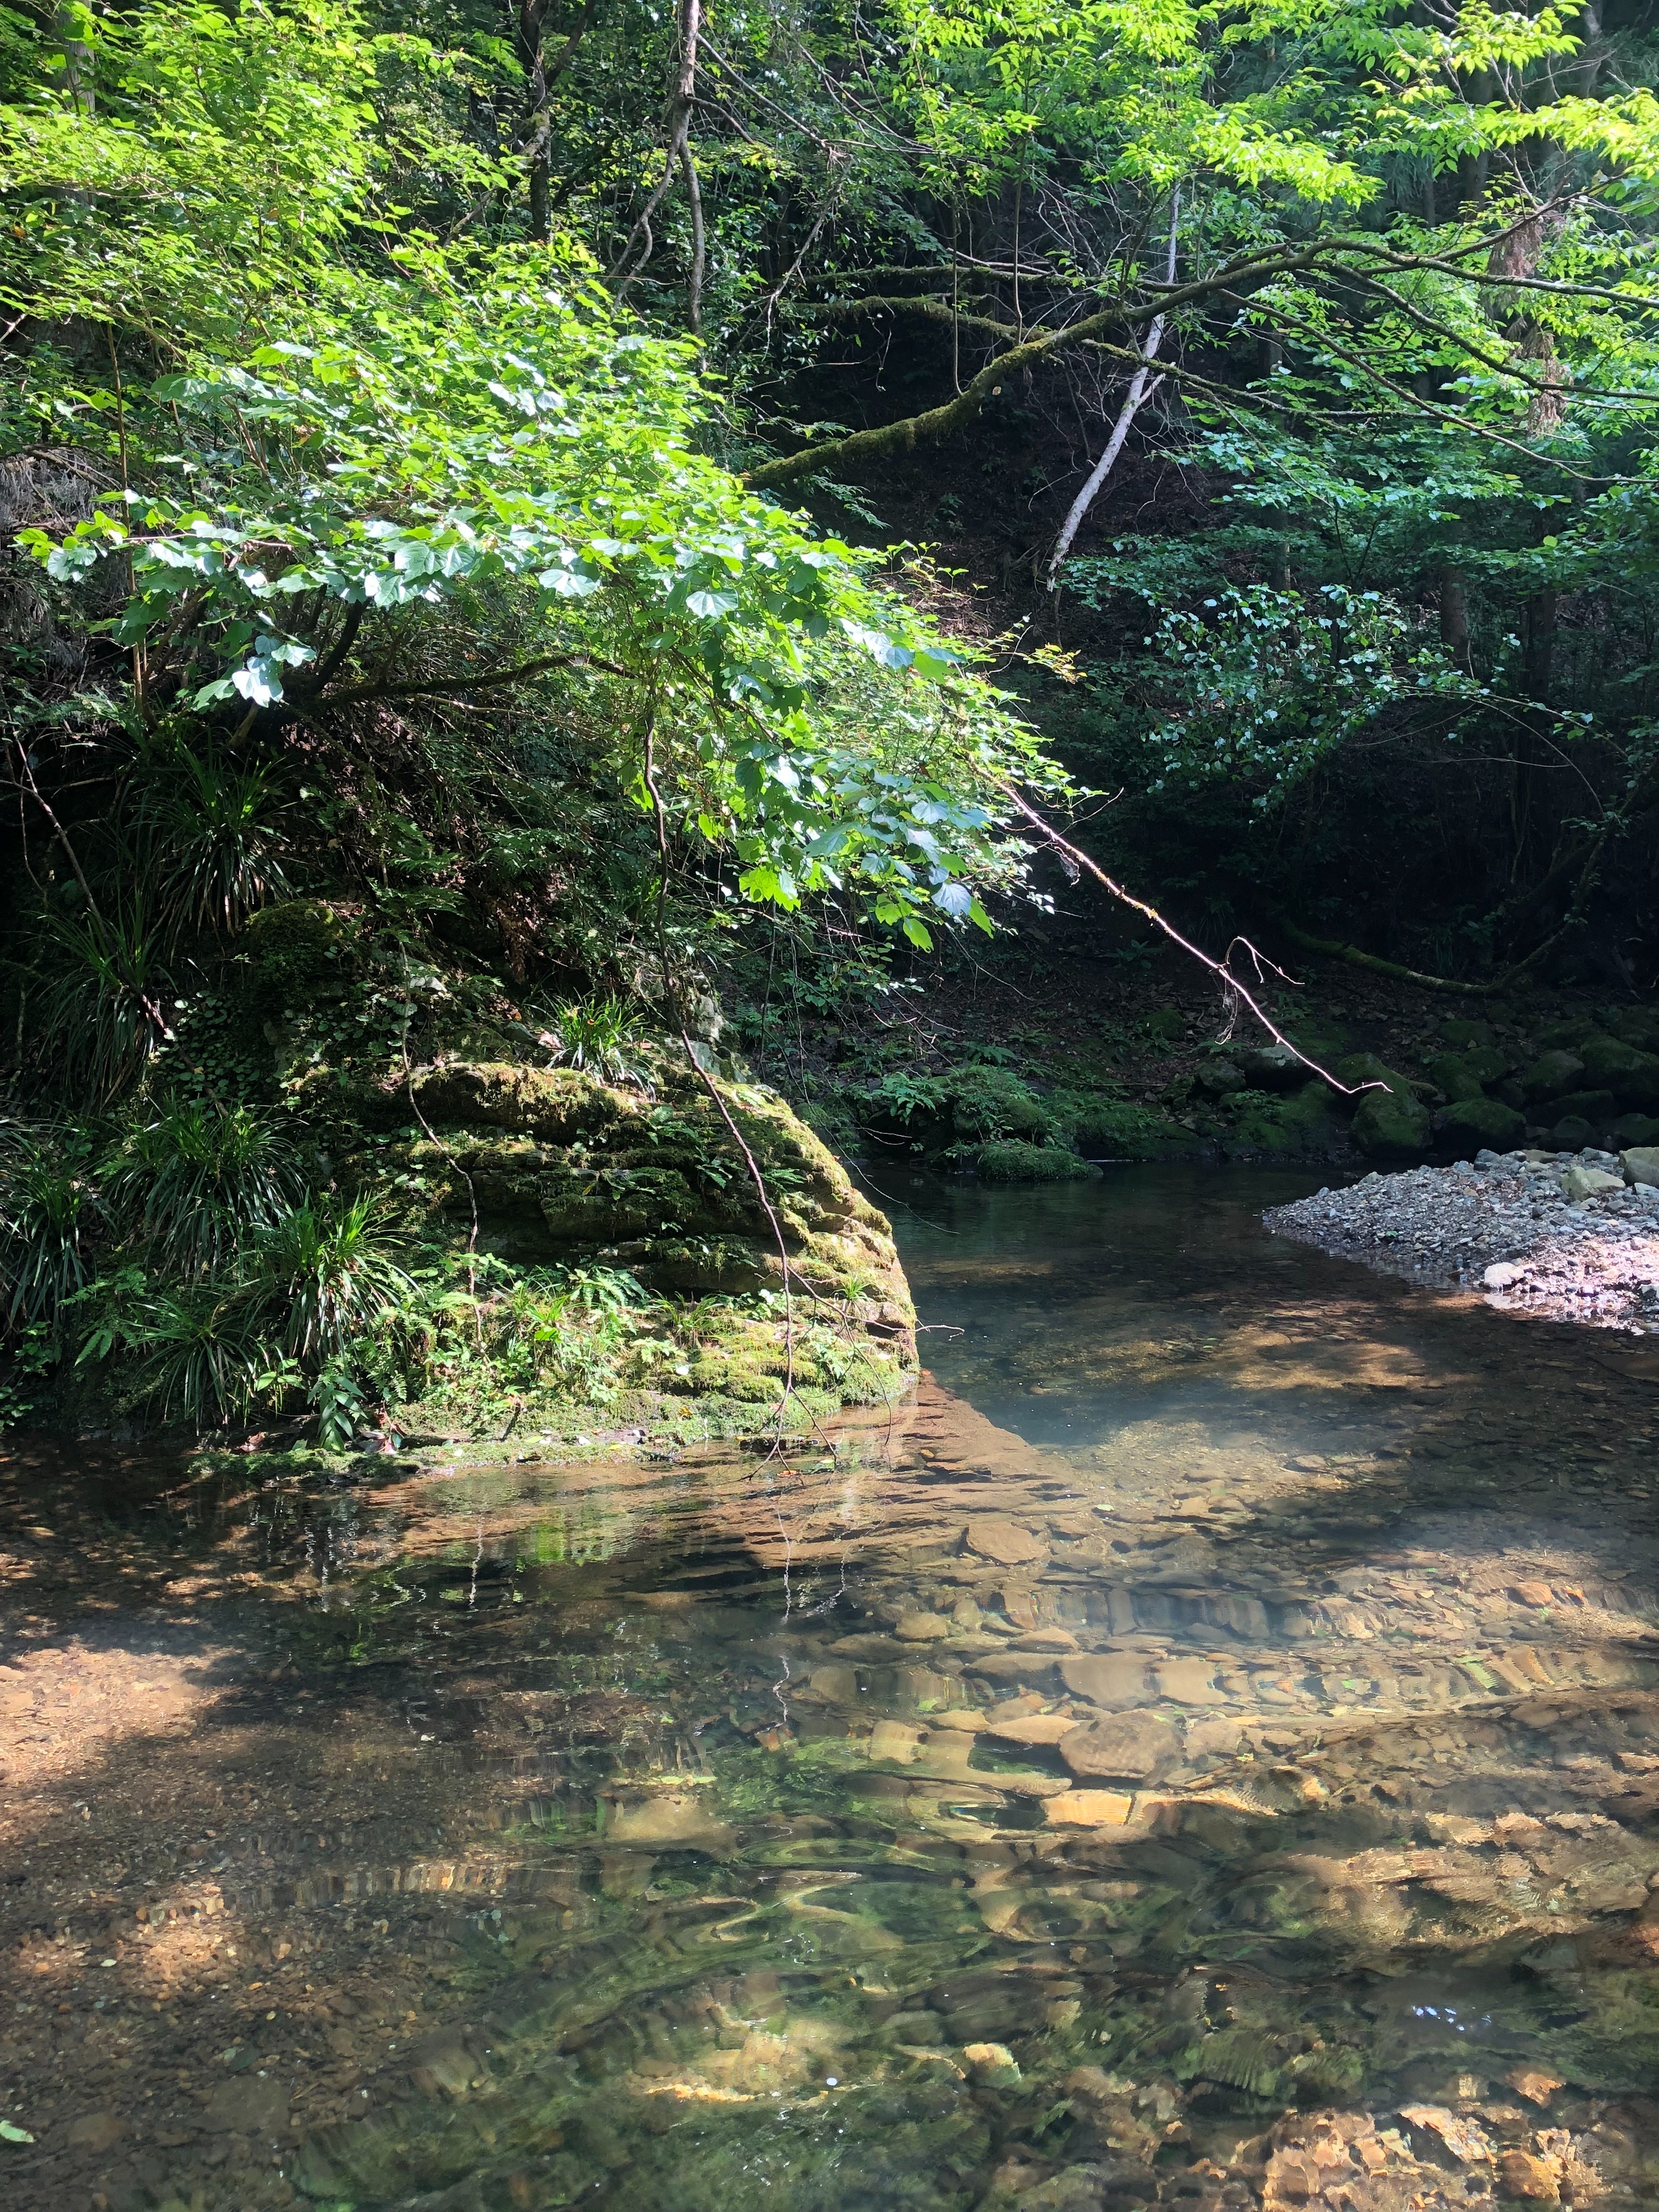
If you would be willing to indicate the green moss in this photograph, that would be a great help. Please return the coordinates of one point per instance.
(989, 1101)
(1009, 1160)
(1273, 1122)
(1103, 1123)
(1391, 1125)
(1598, 1108)
(1636, 1025)
(1460, 1033)
(292, 948)
(1454, 1074)
(1471, 1125)
(562, 1168)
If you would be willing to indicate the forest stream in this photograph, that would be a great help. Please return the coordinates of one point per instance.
(1204, 1746)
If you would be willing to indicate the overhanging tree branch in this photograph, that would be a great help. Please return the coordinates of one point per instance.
(935, 424)
(453, 686)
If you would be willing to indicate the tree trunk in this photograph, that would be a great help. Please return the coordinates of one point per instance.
(1540, 642)
(1454, 614)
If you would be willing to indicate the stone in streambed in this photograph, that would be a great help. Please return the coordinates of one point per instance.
(1188, 1682)
(1121, 1747)
(1521, 2175)
(1089, 1808)
(1641, 1165)
(97, 2132)
(1107, 1678)
(1015, 1666)
(1004, 1542)
(921, 1628)
(252, 2105)
(675, 1817)
(1030, 1730)
(1589, 1183)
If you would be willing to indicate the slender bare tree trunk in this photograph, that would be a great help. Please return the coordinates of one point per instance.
(678, 128)
(1142, 384)
(699, 243)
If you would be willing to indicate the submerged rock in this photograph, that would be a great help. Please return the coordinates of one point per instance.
(1125, 1747)
(1003, 1543)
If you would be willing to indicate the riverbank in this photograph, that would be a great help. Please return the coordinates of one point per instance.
(1569, 1236)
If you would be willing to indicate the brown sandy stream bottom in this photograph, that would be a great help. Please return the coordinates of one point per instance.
(1204, 1751)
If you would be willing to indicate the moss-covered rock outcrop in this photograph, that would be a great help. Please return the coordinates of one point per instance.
(561, 1166)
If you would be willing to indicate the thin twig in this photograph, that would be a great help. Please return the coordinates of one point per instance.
(1221, 969)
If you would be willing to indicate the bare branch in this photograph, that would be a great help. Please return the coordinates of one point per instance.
(1142, 384)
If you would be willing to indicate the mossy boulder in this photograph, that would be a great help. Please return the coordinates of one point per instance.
(1390, 1122)
(1218, 1078)
(1392, 1125)
(1010, 1160)
(1611, 1064)
(1356, 1067)
(292, 948)
(1636, 1025)
(553, 1105)
(1453, 1073)
(1489, 1063)
(746, 1357)
(1598, 1108)
(1566, 1034)
(561, 1166)
(1553, 1074)
(1636, 1130)
(1282, 1125)
(1272, 1068)
(1571, 1134)
(1461, 1035)
(1471, 1125)
(1606, 1058)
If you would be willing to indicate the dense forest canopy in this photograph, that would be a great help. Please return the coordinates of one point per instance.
(491, 485)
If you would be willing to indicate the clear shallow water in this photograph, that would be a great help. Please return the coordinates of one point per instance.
(701, 1835)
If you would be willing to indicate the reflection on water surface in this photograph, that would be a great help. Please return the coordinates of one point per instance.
(1206, 1748)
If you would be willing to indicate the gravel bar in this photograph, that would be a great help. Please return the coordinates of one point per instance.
(1564, 1235)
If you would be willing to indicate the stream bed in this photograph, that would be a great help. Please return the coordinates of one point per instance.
(1203, 1746)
